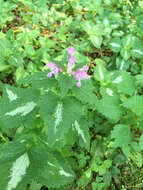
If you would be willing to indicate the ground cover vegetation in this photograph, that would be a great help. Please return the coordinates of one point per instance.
(71, 94)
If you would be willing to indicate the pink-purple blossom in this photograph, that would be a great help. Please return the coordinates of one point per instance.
(72, 59)
(70, 67)
(54, 69)
(71, 64)
(79, 75)
(85, 68)
(71, 51)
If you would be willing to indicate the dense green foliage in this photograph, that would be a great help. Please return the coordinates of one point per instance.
(53, 133)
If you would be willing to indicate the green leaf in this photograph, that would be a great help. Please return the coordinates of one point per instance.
(110, 107)
(18, 106)
(122, 64)
(137, 50)
(51, 170)
(125, 83)
(16, 60)
(125, 53)
(139, 79)
(81, 60)
(19, 168)
(128, 41)
(65, 83)
(92, 5)
(96, 40)
(59, 115)
(85, 92)
(20, 73)
(135, 103)
(100, 72)
(85, 178)
(83, 133)
(136, 157)
(35, 186)
(38, 80)
(115, 45)
(137, 53)
(139, 21)
(4, 67)
(122, 136)
(14, 162)
(29, 50)
(141, 142)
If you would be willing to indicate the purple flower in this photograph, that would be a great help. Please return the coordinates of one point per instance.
(79, 75)
(78, 84)
(71, 51)
(72, 59)
(70, 67)
(85, 68)
(71, 64)
(51, 65)
(54, 69)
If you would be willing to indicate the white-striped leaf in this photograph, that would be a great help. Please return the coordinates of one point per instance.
(17, 171)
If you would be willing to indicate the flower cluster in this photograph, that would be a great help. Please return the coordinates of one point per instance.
(54, 69)
(79, 73)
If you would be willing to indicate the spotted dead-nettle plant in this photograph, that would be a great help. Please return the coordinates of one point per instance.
(45, 116)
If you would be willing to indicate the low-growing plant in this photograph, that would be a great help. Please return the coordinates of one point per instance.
(71, 118)
(53, 114)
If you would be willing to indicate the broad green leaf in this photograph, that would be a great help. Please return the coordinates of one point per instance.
(20, 73)
(139, 21)
(85, 178)
(107, 91)
(136, 157)
(19, 168)
(82, 130)
(141, 142)
(35, 186)
(115, 45)
(125, 53)
(48, 168)
(4, 67)
(139, 79)
(96, 40)
(122, 136)
(18, 106)
(81, 60)
(122, 64)
(128, 41)
(14, 162)
(85, 92)
(137, 53)
(17, 171)
(5, 47)
(59, 115)
(125, 83)
(137, 50)
(92, 5)
(88, 26)
(100, 72)
(65, 83)
(110, 107)
(16, 60)
(38, 80)
(135, 103)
